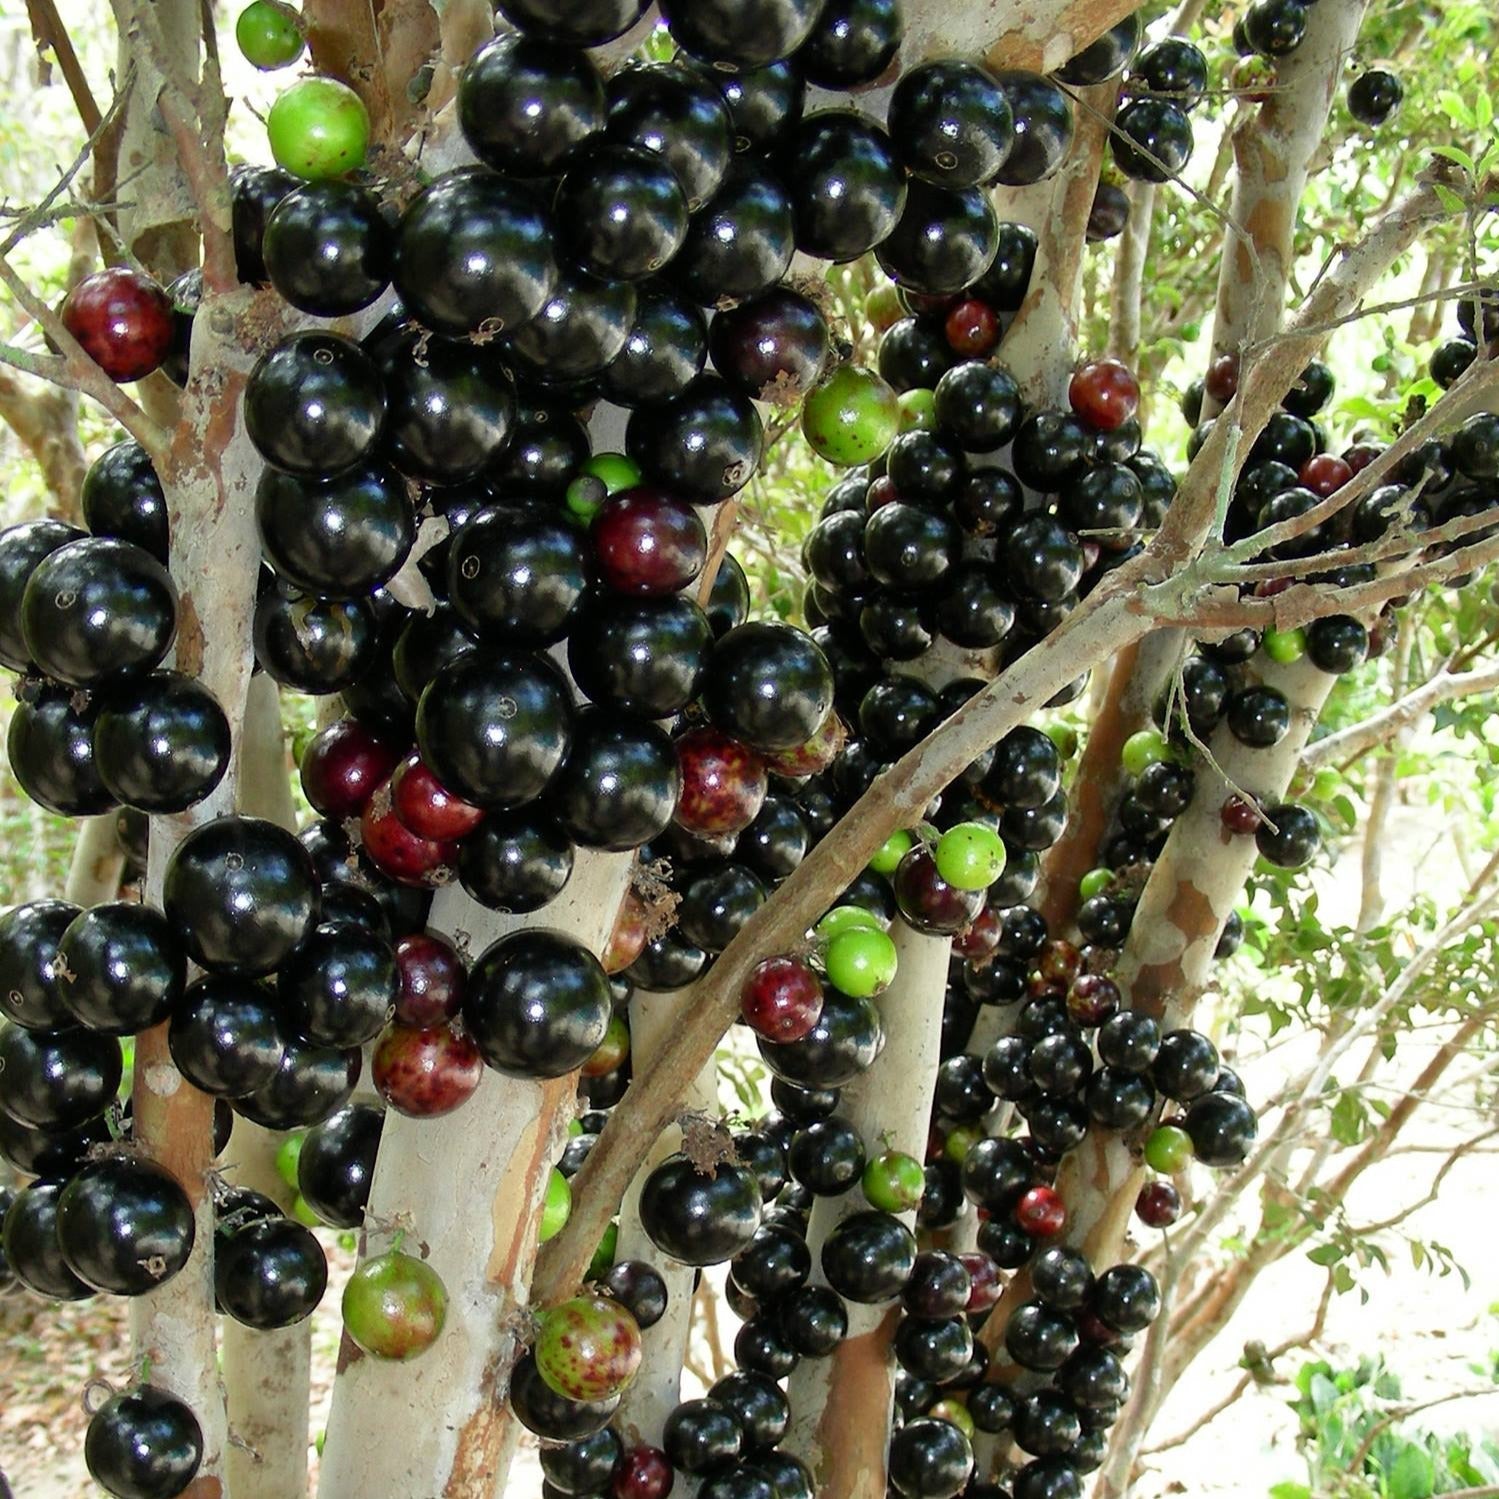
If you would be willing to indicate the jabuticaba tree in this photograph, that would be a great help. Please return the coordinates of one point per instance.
(441, 412)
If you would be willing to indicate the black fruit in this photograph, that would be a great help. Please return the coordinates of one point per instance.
(161, 744)
(327, 248)
(121, 968)
(143, 1443)
(699, 1219)
(225, 1037)
(269, 1274)
(315, 405)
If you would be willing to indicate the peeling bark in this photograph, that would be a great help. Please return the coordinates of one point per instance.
(841, 1404)
(1273, 148)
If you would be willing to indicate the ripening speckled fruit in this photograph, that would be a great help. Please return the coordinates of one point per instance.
(394, 1306)
(318, 128)
(588, 1348)
(1168, 1149)
(852, 417)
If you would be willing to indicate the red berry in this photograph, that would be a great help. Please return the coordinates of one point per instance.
(813, 757)
(1092, 998)
(648, 543)
(1059, 961)
(1159, 1204)
(1041, 1213)
(983, 1273)
(424, 1071)
(396, 851)
(609, 1055)
(643, 1473)
(627, 940)
(1038, 986)
(1105, 394)
(432, 980)
(426, 807)
(1323, 474)
(980, 938)
(1222, 380)
(1361, 455)
(342, 767)
(723, 782)
(1239, 815)
(782, 999)
(881, 491)
(972, 328)
(123, 320)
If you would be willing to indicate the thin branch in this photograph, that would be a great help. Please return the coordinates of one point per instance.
(1347, 745)
(1403, 1412)
(49, 31)
(1457, 1153)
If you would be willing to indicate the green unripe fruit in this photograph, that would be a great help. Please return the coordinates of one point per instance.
(557, 1207)
(970, 856)
(603, 1257)
(303, 1212)
(852, 417)
(844, 919)
(961, 1138)
(604, 474)
(287, 1154)
(1095, 882)
(1064, 736)
(893, 1182)
(269, 35)
(1144, 749)
(887, 857)
(319, 128)
(955, 1413)
(918, 409)
(1284, 646)
(861, 962)
(1168, 1149)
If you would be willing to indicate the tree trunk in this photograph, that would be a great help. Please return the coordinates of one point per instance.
(841, 1404)
(657, 1388)
(471, 1186)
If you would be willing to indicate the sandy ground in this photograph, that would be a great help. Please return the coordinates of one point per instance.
(1428, 1326)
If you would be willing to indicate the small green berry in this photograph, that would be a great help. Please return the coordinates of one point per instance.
(1144, 749)
(861, 962)
(269, 35)
(557, 1207)
(961, 1138)
(1095, 882)
(886, 858)
(1285, 646)
(1168, 1149)
(603, 1257)
(918, 409)
(319, 128)
(287, 1154)
(970, 856)
(852, 417)
(1064, 736)
(846, 918)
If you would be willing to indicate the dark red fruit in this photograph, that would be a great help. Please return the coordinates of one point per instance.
(1324, 474)
(1105, 394)
(927, 901)
(432, 978)
(425, 1071)
(782, 999)
(1222, 380)
(1092, 998)
(395, 850)
(1240, 816)
(643, 1473)
(648, 543)
(122, 319)
(972, 328)
(723, 783)
(627, 940)
(1159, 1204)
(343, 766)
(1041, 1213)
(426, 807)
(774, 347)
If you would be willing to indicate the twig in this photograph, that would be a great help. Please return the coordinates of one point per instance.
(1403, 1412)
(1457, 1153)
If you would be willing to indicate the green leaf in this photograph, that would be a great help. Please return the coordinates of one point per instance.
(1290, 1491)
(1412, 1475)
(1456, 155)
(1348, 1119)
(1325, 1254)
(1451, 201)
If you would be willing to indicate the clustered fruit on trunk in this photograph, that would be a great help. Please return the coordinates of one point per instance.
(588, 678)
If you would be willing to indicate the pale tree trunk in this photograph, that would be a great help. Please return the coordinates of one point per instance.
(267, 1375)
(97, 864)
(471, 1186)
(657, 1388)
(208, 480)
(841, 1404)
(1273, 148)
(1129, 275)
